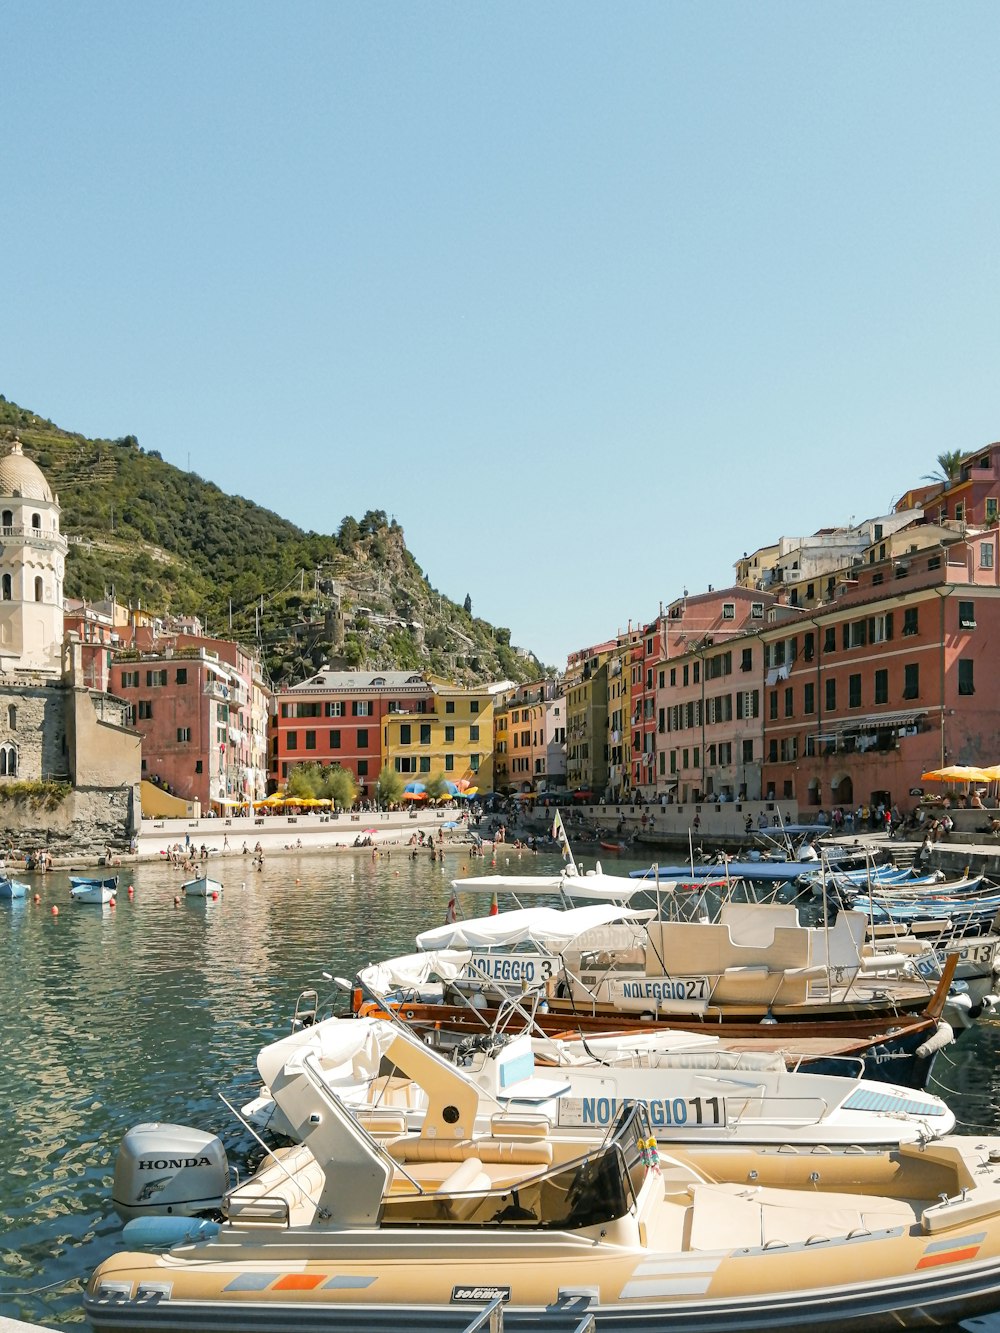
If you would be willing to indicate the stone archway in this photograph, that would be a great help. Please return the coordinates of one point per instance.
(814, 792)
(842, 790)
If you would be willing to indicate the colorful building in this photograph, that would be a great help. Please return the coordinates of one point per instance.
(529, 729)
(201, 706)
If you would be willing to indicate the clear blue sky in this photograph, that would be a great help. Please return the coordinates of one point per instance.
(591, 298)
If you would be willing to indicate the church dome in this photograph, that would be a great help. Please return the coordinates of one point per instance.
(20, 477)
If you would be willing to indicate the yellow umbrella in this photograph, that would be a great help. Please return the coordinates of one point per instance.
(956, 773)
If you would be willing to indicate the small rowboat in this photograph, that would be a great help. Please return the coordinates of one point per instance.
(202, 887)
(11, 889)
(93, 890)
(615, 846)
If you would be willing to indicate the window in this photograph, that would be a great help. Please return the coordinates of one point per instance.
(361, 738)
(291, 740)
(406, 764)
(789, 703)
(474, 762)
(474, 734)
(673, 676)
(966, 615)
(809, 698)
(12, 717)
(8, 518)
(404, 733)
(8, 761)
(960, 511)
(986, 555)
(809, 646)
(756, 610)
(6, 596)
(154, 678)
(39, 590)
(772, 705)
(880, 628)
(449, 705)
(183, 734)
(199, 766)
(911, 681)
(145, 709)
(36, 522)
(881, 687)
(965, 681)
(855, 633)
(910, 625)
(425, 763)
(361, 708)
(334, 708)
(830, 639)
(310, 740)
(934, 562)
(449, 763)
(746, 661)
(772, 752)
(854, 691)
(182, 675)
(449, 735)
(748, 752)
(334, 740)
(474, 706)
(728, 610)
(992, 509)
(425, 733)
(831, 695)
(130, 680)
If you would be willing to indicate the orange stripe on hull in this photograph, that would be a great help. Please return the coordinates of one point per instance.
(951, 1257)
(298, 1282)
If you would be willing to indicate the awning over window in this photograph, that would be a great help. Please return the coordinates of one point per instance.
(881, 721)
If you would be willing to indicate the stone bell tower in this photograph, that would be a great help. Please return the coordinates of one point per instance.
(32, 568)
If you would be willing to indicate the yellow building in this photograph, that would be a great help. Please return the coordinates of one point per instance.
(619, 739)
(587, 718)
(450, 737)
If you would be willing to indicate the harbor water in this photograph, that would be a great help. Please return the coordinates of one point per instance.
(150, 1010)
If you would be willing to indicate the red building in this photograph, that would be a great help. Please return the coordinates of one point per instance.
(335, 717)
(895, 675)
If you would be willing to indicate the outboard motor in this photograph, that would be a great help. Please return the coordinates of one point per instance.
(169, 1169)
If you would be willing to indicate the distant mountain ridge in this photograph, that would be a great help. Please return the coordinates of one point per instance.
(173, 542)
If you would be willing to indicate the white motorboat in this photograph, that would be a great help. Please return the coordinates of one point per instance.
(695, 1087)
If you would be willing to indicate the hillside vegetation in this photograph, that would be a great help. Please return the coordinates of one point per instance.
(174, 543)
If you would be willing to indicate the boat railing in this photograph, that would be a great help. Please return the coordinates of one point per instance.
(490, 1319)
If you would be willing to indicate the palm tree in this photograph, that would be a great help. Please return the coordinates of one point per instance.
(949, 464)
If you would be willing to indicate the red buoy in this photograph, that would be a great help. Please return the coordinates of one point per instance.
(131, 891)
(55, 910)
(37, 898)
(177, 901)
(112, 903)
(215, 895)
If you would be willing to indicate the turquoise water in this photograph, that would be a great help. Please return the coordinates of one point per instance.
(148, 1011)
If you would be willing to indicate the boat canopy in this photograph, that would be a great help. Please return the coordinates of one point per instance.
(547, 927)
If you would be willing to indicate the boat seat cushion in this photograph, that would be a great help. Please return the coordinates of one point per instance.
(526, 1152)
(744, 1217)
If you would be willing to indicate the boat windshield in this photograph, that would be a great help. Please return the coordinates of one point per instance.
(590, 1190)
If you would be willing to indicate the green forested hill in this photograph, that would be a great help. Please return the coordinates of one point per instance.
(175, 543)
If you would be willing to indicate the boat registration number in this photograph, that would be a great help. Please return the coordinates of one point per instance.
(979, 955)
(521, 969)
(662, 989)
(664, 1112)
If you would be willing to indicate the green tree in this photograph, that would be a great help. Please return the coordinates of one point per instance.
(467, 604)
(389, 788)
(949, 465)
(340, 787)
(305, 781)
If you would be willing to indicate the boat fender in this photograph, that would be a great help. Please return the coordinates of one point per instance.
(943, 1036)
(164, 1232)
